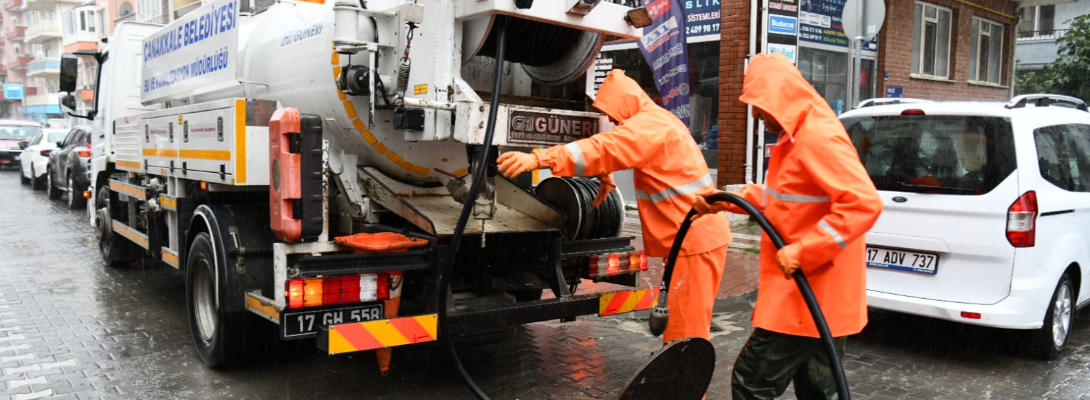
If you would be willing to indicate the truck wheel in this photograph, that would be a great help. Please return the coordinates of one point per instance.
(75, 196)
(1049, 341)
(214, 332)
(51, 186)
(115, 250)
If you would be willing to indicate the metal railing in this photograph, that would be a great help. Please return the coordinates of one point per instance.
(1051, 34)
(45, 65)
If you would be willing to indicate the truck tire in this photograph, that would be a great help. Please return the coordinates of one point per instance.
(75, 196)
(1049, 341)
(116, 251)
(215, 333)
(51, 186)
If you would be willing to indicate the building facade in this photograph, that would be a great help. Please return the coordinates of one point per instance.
(1039, 26)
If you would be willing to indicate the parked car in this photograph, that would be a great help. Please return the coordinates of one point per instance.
(987, 212)
(69, 169)
(12, 132)
(34, 159)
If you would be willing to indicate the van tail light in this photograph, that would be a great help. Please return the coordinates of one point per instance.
(1022, 220)
(84, 153)
(912, 111)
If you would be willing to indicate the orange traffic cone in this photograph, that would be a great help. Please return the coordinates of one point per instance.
(384, 242)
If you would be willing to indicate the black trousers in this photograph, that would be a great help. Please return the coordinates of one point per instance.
(770, 361)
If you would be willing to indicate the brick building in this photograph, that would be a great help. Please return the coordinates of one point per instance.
(928, 49)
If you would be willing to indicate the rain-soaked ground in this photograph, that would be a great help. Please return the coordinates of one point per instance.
(71, 327)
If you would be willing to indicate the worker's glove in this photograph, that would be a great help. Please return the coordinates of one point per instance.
(515, 163)
(703, 208)
(788, 259)
(606, 186)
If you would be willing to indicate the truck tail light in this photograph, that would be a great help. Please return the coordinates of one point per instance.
(1022, 221)
(333, 290)
(603, 265)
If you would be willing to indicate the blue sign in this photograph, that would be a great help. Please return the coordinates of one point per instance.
(663, 46)
(894, 91)
(702, 17)
(13, 91)
(783, 25)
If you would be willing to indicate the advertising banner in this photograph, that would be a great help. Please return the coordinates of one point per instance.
(13, 91)
(821, 23)
(663, 46)
(783, 28)
(702, 17)
(192, 52)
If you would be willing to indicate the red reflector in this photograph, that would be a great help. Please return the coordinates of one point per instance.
(602, 265)
(913, 111)
(383, 291)
(84, 153)
(1022, 221)
(970, 315)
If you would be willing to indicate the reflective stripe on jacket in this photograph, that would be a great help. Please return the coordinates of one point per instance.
(818, 194)
(668, 167)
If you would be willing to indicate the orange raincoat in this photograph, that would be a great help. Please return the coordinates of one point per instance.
(817, 194)
(669, 172)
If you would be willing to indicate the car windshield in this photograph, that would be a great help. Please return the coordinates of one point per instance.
(18, 132)
(57, 136)
(960, 155)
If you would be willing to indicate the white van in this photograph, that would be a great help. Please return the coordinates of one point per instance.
(986, 214)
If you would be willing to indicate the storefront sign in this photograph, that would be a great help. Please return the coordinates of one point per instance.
(663, 46)
(821, 23)
(783, 28)
(702, 17)
(13, 91)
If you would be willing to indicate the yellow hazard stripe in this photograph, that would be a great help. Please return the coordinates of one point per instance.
(266, 310)
(627, 301)
(127, 164)
(131, 190)
(360, 336)
(130, 233)
(218, 155)
(240, 141)
(168, 202)
(169, 257)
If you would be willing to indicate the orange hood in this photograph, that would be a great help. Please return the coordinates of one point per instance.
(775, 85)
(620, 97)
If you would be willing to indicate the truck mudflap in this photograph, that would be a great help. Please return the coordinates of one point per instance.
(380, 334)
(370, 335)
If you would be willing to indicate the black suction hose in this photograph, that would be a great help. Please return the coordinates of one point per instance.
(479, 169)
(660, 314)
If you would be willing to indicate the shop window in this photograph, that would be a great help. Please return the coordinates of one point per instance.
(828, 72)
(931, 41)
(986, 56)
(703, 82)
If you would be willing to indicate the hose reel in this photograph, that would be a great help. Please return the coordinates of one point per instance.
(550, 54)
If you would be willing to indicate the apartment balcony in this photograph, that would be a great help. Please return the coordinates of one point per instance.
(87, 95)
(13, 5)
(1035, 49)
(42, 99)
(45, 5)
(80, 41)
(20, 62)
(3, 69)
(15, 34)
(44, 67)
(43, 31)
(2, 41)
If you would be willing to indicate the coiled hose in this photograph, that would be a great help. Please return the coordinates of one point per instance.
(479, 168)
(660, 315)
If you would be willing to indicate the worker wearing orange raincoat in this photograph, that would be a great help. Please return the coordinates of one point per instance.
(820, 198)
(669, 172)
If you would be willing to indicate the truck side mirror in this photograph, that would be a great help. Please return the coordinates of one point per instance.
(69, 102)
(69, 73)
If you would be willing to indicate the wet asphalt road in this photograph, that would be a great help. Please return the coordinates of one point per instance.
(70, 328)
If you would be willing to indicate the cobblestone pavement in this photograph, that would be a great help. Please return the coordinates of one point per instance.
(72, 328)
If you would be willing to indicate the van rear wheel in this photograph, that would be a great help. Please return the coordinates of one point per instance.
(1049, 341)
